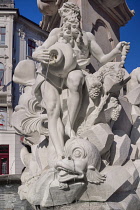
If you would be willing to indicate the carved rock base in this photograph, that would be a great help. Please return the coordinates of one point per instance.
(124, 201)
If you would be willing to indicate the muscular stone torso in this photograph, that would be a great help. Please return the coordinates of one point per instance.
(82, 51)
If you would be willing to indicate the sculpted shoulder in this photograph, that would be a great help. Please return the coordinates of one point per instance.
(52, 38)
(55, 32)
(135, 74)
(90, 36)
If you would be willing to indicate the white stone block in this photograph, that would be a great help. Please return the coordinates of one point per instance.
(101, 136)
(120, 148)
(135, 133)
(134, 177)
(135, 113)
(131, 202)
(104, 191)
(133, 152)
(134, 96)
(126, 200)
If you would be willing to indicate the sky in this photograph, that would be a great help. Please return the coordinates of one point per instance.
(130, 32)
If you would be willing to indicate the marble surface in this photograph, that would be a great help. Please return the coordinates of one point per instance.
(79, 133)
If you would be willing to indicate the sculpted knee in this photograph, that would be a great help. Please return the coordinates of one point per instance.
(75, 81)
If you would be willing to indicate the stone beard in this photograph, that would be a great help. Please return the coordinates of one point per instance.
(71, 32)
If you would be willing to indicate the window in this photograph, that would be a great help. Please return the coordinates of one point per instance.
(4, 159)
(2, 35)
(3, 118)
(31, 47)
(1, 74)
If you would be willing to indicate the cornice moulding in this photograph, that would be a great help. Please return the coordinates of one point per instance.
(121, 14)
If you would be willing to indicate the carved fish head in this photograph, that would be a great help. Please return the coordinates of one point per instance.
(80, 154)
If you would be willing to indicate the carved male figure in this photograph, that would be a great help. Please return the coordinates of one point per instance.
(81, 45)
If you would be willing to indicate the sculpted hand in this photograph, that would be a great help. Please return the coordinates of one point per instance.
(42, 55)
(121, 46)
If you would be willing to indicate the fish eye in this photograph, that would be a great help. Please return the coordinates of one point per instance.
(77, 153)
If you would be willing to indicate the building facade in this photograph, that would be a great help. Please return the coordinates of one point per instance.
(18, 39)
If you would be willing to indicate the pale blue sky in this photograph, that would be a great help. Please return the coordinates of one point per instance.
(130, 32)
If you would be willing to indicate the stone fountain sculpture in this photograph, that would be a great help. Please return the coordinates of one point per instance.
(79, 132)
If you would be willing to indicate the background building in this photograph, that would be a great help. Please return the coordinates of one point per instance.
(18, 39)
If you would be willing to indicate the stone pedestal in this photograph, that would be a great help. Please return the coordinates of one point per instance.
(9, 198)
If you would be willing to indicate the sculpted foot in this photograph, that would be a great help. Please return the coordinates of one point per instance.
(63, 186)
(93, 176)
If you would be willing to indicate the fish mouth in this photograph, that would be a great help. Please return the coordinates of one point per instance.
(66, 175)
(67, 166)
(64, 171)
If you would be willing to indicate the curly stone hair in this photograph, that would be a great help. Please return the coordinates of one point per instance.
(71, 6)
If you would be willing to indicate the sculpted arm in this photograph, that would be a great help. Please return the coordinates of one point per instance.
(42, 53)
(97, 52)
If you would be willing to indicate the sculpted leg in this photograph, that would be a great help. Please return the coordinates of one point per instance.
(74, 83)
(51, 102)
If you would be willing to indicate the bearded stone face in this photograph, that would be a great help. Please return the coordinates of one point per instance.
(75, 29)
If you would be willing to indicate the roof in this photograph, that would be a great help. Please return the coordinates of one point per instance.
(33, 24)
(118, 11)
(15, 11)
